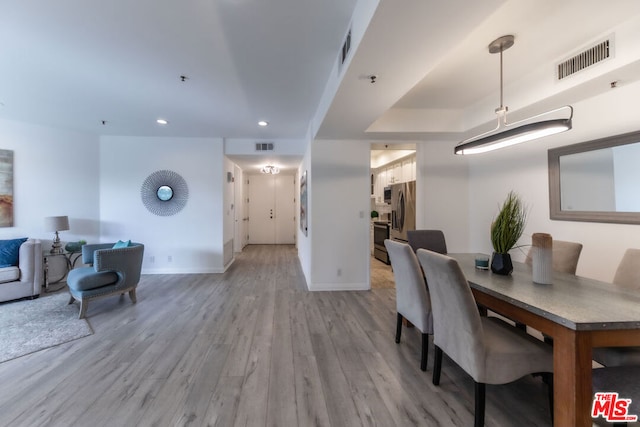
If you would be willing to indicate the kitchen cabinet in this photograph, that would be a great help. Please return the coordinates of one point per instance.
(401, 170)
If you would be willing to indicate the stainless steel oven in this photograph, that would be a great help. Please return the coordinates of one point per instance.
(380, 233)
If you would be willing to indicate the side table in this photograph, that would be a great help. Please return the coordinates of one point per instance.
(70, 259)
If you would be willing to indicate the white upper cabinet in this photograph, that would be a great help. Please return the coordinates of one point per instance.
(401, 170)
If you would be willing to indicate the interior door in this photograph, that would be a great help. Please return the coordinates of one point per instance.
(262, 227)
(271, 209)
(285, 212)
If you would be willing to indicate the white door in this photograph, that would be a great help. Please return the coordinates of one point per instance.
(285, 212)
(271, 209)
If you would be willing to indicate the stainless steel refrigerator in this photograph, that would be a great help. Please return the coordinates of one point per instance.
(403, 210)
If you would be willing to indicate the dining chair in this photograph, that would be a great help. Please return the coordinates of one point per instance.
(412, 299)
(624, 380)
(490, 350)
(432, 240)
(627, 276)
(565, 256)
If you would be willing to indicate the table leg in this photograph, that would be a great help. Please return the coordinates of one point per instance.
(572, 378)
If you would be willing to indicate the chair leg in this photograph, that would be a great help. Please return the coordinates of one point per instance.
(83, 308)
(425, 352)
(547, 378)
(71, 299)
(437, 364)
(480, 397)
(398, 327)
(132, 295)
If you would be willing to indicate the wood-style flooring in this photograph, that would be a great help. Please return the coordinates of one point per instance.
(250, 347)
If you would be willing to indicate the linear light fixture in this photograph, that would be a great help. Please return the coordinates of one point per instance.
(505, 134)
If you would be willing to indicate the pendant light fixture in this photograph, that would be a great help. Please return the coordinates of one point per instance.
(506, 134)
(270, 169)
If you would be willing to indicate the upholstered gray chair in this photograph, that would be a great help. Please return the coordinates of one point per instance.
(412, 298)
(488, 349)
(625, 380)
(112, 272)
(565, 256)
(432, 240)
(627, 276)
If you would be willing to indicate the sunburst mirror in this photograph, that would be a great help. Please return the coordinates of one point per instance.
(164, 193)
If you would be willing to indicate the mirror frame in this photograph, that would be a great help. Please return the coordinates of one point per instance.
(555, 210)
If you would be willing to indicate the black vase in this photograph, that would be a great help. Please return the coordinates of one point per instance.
(501, 264)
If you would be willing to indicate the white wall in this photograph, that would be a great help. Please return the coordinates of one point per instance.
(193, 237)
(228, 204)
(239, 236)
(304, 242)
(442, 201)
(55, 173)
(523, 168)
(340, 215)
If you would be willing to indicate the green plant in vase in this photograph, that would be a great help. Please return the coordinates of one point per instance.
(506, 229)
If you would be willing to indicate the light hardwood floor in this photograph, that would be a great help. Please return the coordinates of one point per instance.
(250, 347)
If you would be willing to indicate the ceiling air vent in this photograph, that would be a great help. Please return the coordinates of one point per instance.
(346, 48)
(584, 59)
(264, 146)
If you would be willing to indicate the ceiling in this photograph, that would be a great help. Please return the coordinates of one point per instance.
(73, 64)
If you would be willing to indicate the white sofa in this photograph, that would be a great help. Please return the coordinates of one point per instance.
(25, 280)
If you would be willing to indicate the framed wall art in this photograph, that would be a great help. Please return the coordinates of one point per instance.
(6, 188)
(303, 203)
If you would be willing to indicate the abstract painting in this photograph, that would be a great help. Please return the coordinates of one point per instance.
(303, 203)
(6, 188)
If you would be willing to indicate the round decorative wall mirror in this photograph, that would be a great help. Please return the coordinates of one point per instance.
(164, 193)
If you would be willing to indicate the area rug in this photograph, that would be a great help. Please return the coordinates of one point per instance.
(33, 325)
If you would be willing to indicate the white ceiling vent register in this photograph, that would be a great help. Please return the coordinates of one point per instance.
(344, 51)
(346, 47)
(264, 146)
(586, 58)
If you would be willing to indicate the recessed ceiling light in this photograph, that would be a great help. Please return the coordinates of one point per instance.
(162, 121)
(263, 123)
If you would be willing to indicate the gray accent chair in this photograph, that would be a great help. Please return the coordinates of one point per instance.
(565, 256)
(412, 299)
(25, 280)
(490, 350)
(112, 272)
(627, 276)
(432, 240)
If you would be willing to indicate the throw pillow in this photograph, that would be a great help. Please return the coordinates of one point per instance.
(120, 244)
(9, 251)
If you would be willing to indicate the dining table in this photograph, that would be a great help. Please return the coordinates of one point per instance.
(579, 313)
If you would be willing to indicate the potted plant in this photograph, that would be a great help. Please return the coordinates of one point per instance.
(506, 229)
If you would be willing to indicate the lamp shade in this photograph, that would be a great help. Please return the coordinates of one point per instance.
(56, 223)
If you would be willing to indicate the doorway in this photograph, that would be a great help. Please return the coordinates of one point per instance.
(391, 164)
(271, 207)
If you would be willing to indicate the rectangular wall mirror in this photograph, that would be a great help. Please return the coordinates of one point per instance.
(596, 181)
